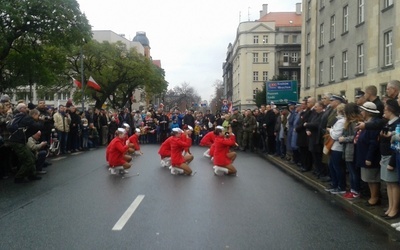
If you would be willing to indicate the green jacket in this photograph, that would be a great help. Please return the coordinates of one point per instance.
(249, 124)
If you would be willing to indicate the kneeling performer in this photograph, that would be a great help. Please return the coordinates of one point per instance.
(223, 157)
(116, 153)
(179, 142)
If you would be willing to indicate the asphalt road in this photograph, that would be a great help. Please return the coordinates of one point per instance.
(78, 203)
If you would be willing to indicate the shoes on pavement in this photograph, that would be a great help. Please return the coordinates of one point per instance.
(337, 191)
(395, 225)
(41, 172)
(397, 215)
(372, 205)
(176, 171)
(123, 171)
(351, 195)
(220, 170)
(112, 171)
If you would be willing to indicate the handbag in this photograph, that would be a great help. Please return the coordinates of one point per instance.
(328, 143)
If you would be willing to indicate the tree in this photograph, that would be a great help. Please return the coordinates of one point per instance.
(182, 96)
(30, 31)
(216, 101)
(118, 71)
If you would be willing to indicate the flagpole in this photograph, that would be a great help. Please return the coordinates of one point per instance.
(82, 82)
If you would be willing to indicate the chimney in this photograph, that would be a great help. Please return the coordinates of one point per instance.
(264, 11)
(298, 8)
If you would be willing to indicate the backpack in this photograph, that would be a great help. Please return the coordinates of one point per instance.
(13, 125)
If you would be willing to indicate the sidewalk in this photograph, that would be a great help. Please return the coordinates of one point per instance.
(371, 214)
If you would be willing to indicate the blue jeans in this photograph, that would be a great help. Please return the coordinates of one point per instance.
(63, 138)
(354, 175)
(336, 168)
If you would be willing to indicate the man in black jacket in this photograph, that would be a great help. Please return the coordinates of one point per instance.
(27, 126)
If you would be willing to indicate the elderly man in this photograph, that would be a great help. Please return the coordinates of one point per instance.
(38, 150)
(393, 89)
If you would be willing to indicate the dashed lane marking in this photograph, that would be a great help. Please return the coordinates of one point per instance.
(128, 213)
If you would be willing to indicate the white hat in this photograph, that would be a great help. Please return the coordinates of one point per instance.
(190, 128)
(137, 130)
(220, 127)
(370, 107)
(121, 130)
(126, 125)
(178, 130)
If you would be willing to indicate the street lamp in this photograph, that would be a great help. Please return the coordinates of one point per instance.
(82, 80)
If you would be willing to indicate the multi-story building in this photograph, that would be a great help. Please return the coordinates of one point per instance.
(348, 45)
(263, 49)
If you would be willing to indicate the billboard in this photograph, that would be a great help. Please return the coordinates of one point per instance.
(281, 92)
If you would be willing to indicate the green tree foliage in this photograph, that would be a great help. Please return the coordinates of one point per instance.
(118, 71)
(34, 36)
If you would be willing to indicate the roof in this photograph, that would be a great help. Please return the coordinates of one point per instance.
(157, 63)
(282, 19)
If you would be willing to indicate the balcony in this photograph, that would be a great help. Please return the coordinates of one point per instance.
(289, 64)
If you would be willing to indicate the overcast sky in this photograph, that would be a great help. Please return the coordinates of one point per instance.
(189, 37)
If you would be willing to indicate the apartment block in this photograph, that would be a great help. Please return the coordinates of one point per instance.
(348, 45)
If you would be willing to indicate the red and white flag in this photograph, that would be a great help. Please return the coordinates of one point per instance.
(93, 84)
(77, 83)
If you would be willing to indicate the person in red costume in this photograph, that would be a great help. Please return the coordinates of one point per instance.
(165, 152)
(188, 130)
(207, 141)
(179, 163)
(116, 153)
(223, 157)
(134, 141)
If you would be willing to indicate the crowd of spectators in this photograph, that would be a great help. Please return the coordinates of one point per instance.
(329, 137)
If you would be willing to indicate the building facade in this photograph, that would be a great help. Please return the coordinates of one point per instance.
(263, 49)
(348, 45)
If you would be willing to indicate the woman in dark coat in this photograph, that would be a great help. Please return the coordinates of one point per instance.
(313, 132)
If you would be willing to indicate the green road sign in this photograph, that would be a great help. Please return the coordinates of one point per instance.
(281, 92)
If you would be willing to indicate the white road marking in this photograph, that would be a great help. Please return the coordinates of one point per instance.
(59, 158)
(128, 213)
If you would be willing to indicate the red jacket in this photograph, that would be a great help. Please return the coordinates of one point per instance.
(134, 139)
(208, 139)
(178, 144)
(165, 148)
(221, 149)
(116, 151)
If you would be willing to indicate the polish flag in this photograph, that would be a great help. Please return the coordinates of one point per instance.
(93, 84)
(77, 83)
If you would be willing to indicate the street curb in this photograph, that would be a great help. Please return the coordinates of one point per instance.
(346, 204)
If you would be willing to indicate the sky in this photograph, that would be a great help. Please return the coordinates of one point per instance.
(189, 37)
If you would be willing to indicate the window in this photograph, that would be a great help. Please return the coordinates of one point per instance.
(360, 58)
(265, 38)
(295, 75)
(321, 34)
(308, 78)
(360, 11)
(388, 50)
(343, 93)
(285, 57)
(333, 30)
(383, 88)
(255, 76)
(332, 69)
(388, 3)
(345, 18)
(295, 57)
(294, 39)
(321, 4)
(64, 95)
(255, 91)
(255, 39)
(344, 64)
(308, 43)
(265, 57)
(22, 95)
(309, 9)
(265, 76)
(321, 73)
(285, 39)
(255, 57)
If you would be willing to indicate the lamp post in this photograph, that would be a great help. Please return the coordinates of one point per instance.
(82, 81)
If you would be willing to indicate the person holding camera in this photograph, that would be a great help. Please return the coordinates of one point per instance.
(39, 151)
(223, 157)
(62, 120)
